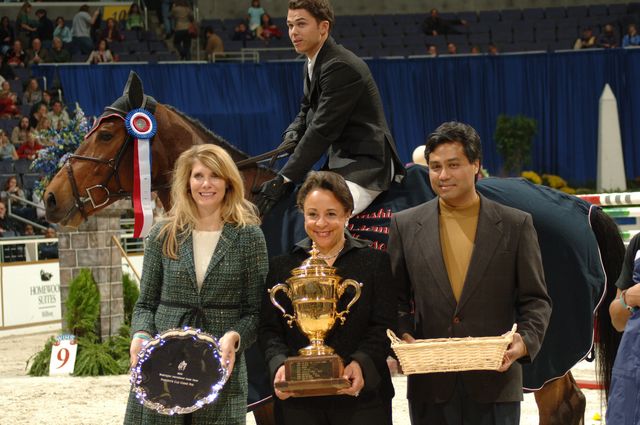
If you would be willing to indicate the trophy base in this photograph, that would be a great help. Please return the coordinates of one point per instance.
(313, 376)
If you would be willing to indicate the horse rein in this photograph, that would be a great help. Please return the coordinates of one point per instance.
(272, 156)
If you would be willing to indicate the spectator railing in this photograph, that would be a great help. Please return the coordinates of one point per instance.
(15, 216)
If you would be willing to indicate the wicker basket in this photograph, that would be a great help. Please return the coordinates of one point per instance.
(451, 354)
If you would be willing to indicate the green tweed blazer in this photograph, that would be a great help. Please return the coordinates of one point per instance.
(229, 300)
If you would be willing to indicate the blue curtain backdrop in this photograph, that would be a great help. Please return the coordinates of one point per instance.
(251, 104)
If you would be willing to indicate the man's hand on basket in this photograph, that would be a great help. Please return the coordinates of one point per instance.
(515, 350)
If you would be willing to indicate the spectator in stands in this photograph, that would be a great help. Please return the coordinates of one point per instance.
(7, 35)
(493, 50)
(631, 38)
(608, 39)
(26, 27)
(214, 43)
(435, 25)
(16, 56)
(183, 17)
(58, 115)
(475, 50)
(452, 49)
(58, 53)
(166, 18)
(586, 41)
(8, 101)
(111, 33)
(29, 149)
(11, 187)
(20, 132)
(135, 22)
(48, 250)
(7, 150)
(28, 230)
(6, 71)
(268, 29)
(81, 29)
(37, 54)
(432, 50)
(254, 15)
(32, 93)
(242, 33)
(62, 31)
(8, 226)
(102, 54)
(45, 26)
(38, 112)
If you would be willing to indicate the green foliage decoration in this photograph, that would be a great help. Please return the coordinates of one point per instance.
(94, 357)
(83, 305)
(130, 294)
(514, 137)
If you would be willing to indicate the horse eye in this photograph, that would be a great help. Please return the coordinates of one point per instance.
(106, 136)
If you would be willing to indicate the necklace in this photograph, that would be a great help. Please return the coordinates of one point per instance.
(329, 257)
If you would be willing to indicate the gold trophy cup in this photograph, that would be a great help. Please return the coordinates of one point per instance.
(314, 290)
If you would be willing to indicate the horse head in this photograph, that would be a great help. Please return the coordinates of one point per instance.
(100, 171)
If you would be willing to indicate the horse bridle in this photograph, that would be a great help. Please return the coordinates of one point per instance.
(113, 164)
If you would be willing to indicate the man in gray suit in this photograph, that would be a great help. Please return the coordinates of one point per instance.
(341, 114)
(467, 266)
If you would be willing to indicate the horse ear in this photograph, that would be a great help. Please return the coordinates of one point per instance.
(134, 91)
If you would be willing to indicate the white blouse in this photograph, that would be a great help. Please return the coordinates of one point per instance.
(204, 245)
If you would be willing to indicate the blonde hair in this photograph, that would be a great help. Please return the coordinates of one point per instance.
(183, 215)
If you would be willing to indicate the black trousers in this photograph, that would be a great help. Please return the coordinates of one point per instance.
(462, 410)
(369, 414)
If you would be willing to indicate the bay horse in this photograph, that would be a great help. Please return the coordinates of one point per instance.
(100, 172)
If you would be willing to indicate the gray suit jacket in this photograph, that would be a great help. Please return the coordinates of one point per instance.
(504, 285)
(341, 115)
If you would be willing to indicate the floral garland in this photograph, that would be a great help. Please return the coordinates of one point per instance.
(63, 143)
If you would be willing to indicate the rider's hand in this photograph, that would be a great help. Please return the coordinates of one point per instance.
(270, 192)
(289, 142)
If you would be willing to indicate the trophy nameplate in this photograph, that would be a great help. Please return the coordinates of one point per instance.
(313, 376)
(178, 372)
(314, 290)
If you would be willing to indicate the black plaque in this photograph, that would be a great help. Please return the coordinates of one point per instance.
(179, 372)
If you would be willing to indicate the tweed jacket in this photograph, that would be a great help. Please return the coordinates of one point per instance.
(361, 338)
(341, 115)
(504, 285)
(228, 300)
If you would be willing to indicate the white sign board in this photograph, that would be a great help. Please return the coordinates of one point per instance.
(31, 293)
(63, 355)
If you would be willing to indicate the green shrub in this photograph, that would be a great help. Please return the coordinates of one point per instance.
(514, 137)
(39, 363)
(83, 306)
(110, 357)
(130, 294)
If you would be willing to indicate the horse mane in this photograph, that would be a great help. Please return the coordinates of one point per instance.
(215, 138)
(612, 252)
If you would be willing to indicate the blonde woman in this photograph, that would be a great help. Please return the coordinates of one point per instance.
(204, 266)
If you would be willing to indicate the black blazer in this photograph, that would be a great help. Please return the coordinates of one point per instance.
(341, 115)
(504, 285)
(361, 338)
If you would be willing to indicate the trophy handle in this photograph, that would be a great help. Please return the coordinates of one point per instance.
(341, 289)
(272, 295)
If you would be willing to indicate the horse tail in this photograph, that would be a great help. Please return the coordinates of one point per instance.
(612, 252)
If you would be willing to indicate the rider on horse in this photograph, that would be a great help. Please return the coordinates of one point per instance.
(341, 115)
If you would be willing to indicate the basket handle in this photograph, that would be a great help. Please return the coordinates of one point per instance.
(392, 336)
(511, 332)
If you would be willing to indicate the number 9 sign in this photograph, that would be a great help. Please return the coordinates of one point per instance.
(63, 355)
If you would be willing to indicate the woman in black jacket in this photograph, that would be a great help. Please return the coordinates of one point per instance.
(361, 342)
